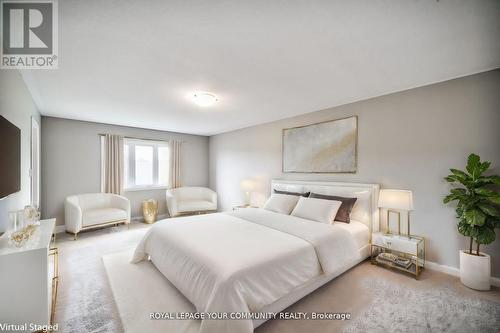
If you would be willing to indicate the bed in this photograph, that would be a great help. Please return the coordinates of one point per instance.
(253, 261)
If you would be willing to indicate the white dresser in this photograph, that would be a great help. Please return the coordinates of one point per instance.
(28, 280)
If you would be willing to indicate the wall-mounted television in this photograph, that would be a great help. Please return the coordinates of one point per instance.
(10, 158)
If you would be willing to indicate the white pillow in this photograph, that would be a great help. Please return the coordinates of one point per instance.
(281, 203)
(320, 210)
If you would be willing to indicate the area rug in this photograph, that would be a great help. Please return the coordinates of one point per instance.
(84, 300)
(140, 290)
(397, 309)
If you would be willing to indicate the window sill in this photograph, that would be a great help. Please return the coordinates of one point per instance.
(145, 188)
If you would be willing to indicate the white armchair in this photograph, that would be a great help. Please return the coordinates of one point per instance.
(184, 200)
(92, 210)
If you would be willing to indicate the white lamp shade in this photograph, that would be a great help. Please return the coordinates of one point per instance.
(395, 199)
(247, 185)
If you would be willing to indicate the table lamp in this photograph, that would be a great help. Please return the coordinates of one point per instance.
(247, 186)
(396, 201)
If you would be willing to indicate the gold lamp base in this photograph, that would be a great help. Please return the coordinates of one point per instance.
(399, 223)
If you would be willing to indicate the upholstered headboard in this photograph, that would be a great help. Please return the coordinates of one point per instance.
(365, 210)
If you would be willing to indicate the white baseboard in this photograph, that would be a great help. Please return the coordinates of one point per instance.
(455, 271)
(442, 268)
(140, 218)
(60, 228)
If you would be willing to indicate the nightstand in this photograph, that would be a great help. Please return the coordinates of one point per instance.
(244, 206)
(410, 248)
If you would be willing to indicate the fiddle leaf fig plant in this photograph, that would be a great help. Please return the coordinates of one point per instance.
(478, 201)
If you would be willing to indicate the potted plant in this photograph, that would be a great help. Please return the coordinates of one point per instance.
(478, 215)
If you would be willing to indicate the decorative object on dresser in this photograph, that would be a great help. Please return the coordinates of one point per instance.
(186, 200)
(326, 147)
(93, 210)
(247, 186)
(478, 216)
(399, 252)
(31, 214)
(28, 283)
(395, 201)
(22, 225)
(150, 210)
(20, 237)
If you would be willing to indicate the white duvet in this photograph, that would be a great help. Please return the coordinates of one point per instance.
(244, 260)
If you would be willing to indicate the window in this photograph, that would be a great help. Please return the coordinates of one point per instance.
(147, 164)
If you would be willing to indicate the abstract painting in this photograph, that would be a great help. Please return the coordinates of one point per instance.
(327, 147)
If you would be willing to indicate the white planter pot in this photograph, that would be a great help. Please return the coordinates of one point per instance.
(475, 271)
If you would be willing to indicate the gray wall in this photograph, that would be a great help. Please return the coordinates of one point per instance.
(406, 140)
(17, 106)
(71, 162)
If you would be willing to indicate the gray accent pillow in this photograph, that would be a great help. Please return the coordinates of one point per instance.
(344, 212)
(293, 193)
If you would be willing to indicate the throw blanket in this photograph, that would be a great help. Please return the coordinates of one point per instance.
(241, 261)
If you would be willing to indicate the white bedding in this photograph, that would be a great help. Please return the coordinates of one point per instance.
(243, 260)
(359, 231)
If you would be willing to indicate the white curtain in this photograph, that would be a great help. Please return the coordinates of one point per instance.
(112, 164)
(175, 163)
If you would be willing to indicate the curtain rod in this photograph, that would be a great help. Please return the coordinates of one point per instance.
(145, 139)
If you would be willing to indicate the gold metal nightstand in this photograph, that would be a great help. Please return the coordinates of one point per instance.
(411, 248)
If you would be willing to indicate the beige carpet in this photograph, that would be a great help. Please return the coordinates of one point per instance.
(86, 302)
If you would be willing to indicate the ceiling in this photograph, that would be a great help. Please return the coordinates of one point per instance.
(134, 63)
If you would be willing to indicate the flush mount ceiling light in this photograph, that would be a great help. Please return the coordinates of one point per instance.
(204, 99)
